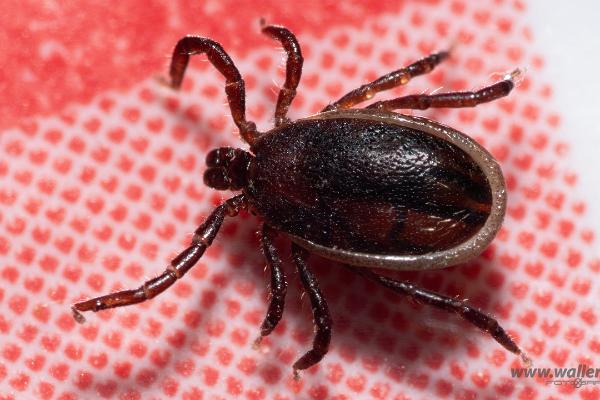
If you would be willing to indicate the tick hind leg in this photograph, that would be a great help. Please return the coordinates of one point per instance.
(472, 315)
(389, 81)
(277, 287)
(293, 69)
(321, 317)
(452, 99)
(203, 237)
(234, 87)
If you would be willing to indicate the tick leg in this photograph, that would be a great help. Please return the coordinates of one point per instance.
(321, 317)
(278, 286)
(468, 313)
(234, 87)
(452, 99)
(293, 69)
(389, 81)
(203, 237)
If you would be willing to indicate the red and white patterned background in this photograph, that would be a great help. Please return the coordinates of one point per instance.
(101, 184)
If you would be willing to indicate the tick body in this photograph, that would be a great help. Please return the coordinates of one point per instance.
(366, 187)
(378, 189)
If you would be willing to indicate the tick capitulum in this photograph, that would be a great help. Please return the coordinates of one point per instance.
(366, 187)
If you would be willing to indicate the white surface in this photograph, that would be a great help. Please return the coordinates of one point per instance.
(568, 34)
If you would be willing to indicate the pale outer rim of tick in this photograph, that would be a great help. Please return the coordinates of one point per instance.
(435, 260)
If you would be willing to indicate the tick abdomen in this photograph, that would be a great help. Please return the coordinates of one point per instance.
(368, 186)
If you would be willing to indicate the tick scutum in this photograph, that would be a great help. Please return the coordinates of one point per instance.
(368, 186)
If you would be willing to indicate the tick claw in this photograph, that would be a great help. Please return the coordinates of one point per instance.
(453, 45)
(516, 75)
(256, 343)
(78, 316)
(526, 360)
(165, 82)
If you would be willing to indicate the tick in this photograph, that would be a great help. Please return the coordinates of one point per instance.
(366, 187)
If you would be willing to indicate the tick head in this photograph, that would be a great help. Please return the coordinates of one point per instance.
(227, 168)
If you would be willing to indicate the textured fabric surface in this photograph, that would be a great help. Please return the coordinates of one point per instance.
(101, 185)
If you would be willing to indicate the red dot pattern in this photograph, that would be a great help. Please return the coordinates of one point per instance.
(101, 197)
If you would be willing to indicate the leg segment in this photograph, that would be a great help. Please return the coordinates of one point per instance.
(453, 100)
(203, 237)
(234, 87)
(322, 319)
(278, 286)
(293, 69)
(389, 81)
(468, 313)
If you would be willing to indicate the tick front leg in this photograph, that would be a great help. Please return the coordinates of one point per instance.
(278, 286)
(468, 313)
(389, 81)
(293, 69)
(234, 87)
(321, 317)
(453, 99)
(203, 237)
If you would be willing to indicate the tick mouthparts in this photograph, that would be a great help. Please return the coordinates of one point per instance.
(77, 315)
